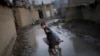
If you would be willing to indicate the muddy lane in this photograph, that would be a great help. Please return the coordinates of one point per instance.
(71, 46)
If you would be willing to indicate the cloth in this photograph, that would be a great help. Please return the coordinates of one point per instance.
(50, 37)
(56, 36)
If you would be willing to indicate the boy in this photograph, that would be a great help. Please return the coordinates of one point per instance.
(50, 37)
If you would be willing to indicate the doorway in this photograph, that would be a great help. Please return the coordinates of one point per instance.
(40, 14)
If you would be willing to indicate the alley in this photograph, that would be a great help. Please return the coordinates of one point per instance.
(71, 46)
(76, 22)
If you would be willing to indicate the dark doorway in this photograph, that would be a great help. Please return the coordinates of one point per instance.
(40, 14)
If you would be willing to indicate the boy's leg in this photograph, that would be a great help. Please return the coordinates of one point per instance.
(53, 51)
(49, 50)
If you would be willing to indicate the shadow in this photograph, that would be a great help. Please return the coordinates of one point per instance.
(83, 48)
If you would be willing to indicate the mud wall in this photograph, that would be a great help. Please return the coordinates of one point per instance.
(72, 3)
(35, 14)
(48, 9)
(73, 13)
(91, 13)
(87, 12)
(7, 31)
(23, 17)
(51, 10)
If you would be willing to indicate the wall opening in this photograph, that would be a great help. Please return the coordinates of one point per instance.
(40, 14)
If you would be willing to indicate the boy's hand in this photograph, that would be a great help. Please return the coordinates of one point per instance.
(47, 31)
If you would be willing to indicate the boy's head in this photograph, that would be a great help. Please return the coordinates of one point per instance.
(43, 25)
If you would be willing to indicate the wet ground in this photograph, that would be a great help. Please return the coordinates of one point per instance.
(72, 46)
(85, 29)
